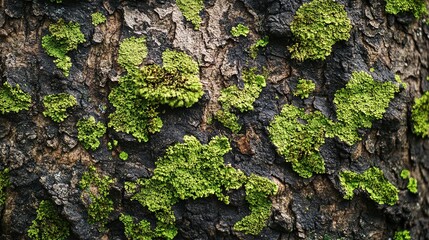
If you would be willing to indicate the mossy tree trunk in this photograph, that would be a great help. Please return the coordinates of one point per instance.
(45, 160)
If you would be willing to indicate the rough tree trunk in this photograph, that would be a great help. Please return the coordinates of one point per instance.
(46, 160)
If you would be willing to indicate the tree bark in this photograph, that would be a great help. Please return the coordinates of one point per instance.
(46, 160)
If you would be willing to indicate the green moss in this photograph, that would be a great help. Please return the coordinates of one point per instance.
(402, 235)
(136, 231)
(373, 182)
(56, 106)
(240, 30)
(98, 18)
(4, 184)
(405, 174)
(191, 11)
(95, 192)
(362, 101)
(258, 190)
(298, 137)
(13, 99)
(253, 50)
(420, 115)
(49, 224)
(89, 131)
(304, 88)
(234, 99)
(412, 185)
(63, 38)
(191, 170)
(417, 7)
(132, 52)
(317, 26)
(123, 156)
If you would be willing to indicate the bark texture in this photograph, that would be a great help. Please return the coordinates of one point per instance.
(46, 160)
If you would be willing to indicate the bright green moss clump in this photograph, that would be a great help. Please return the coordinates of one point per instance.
(63, 38)
(240, 30)
(253, 50)
(373, 182)
(89, 131)
(49, 224)
(317, 26)
(56, 106)
(362, 101)
(412, 182)
(123, 156)
(402, 235)
(234, 99)
(132, 52)
(95, 192)
(136, 231)
(140, 92)
(191, 11)
(417, 7)
(258, 189)
(420, 115)
(304, 88)
(298, 137)
(191, 170)
(13, 99)
(98, 18)
(4, 183)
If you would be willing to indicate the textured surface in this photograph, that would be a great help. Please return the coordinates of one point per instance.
(46, 160)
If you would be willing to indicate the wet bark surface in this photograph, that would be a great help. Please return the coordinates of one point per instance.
(46, 161)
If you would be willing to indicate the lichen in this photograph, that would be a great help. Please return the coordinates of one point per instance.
(4, 184)
(95, 193)
(240, 30)
(56, 106)
(132, 52)
(317, 26)
(89, 132)
(420, 115)
(402, 235)
(191, 170)
(373, 182)
(63, 38)
(13, 99)
(362, 101)
(304, 88)
(191, 11)
(49, 224)
(98, 18)
(417, 7)
(258, 190)
(234, 99)
(253, 50)
(298, 136)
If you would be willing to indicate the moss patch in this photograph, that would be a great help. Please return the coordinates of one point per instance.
(13, 99)
(261, 43)
(412, 182)
(191, 170)
(89, 132)
(317, 26)
(4, 184)
(136, 231)
(63, 38)
(304, 88)
(402, 235)
(49, 224)
(298, 137)
(191, 11)
(132, 52)
(240, 30)
(373, 182)
(56, 106)
(234, 99)
(123, 156)
(416, 7)
(95, 192)
(98, 18)
(420, 115)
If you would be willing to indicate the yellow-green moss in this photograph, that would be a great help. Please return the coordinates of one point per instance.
(240, 30)
(402, 235)
(317, 26)
(417, 7)
(123, 156)
(56, 106)
(304, 88)
(132, 52)
(13, 99)
(420, 115)
(253, 50)
(98, 18)
(191, 11)
(89, 132)
(63, 38)
(373, 182)
(412, 182)
(49, 224)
